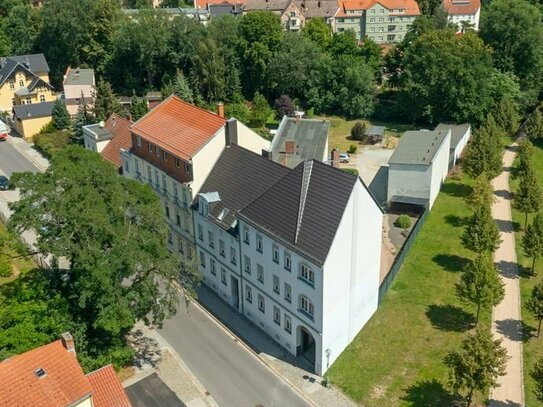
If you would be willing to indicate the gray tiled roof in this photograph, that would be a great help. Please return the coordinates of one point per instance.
(457, 131)
(34, 110)
(78, 76)
(310, 140)
(239, 176)
(418, 147)
(31, 63)
(303, 210)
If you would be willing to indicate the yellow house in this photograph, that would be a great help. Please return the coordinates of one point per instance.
(29, 119)
(24, 79)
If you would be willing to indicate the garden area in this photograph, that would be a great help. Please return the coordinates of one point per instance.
(397, 358)
(13, 262)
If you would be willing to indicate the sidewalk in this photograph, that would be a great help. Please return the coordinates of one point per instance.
(27, 149)
(506, 316)
(154, 355)
(294, 370)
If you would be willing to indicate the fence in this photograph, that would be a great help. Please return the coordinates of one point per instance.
(398, 261)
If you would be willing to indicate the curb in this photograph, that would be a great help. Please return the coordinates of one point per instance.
(242, 343)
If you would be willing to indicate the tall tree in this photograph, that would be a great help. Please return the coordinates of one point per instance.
(427, 7)
(477, 365)
(534, 125)
(106, 102)
(481, 234)
(527, 198)
(535, 305)
(61, 117)
(22, 26)
(83, 210)
(537, 375)
(532, 241)
(261, 110)
(482, 193)
(480, 284)
(318, 31)
(507, 115)
(512, 28)
(525, 156)
(181, 88)
(484, 152)
(138, 108)
(283, 106)
(82, 118)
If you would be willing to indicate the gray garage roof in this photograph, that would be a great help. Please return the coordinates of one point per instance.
(418, 147)
(152, 392)
(457, 131)
(375, 130)
(78, 76)
(310, 139)
(33, 111)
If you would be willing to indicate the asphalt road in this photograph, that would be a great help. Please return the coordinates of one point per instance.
(233, 376)
(12, 161)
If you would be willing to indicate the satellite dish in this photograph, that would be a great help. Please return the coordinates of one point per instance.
(102, 124)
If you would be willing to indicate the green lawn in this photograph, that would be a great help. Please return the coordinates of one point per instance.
(21, 265)
(533, 347)
(396, 360)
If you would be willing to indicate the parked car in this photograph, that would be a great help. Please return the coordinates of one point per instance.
(4, 131)
(344, 158)
(4, 183)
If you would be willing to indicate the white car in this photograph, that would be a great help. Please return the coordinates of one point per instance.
(344, 158)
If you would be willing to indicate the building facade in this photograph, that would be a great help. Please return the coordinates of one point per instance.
(79, 87)
(301, 260)
(464, 14)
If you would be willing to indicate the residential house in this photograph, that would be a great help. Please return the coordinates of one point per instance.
(51, 376)
(205, 4)
(217, 10)
(24, 79)
(418, 167)
(79, 86)
(298, 140)
(173, 148)
(383, 21)
(109, 138)
(29, 119)
(464, 13)
(460, 135)
(202, 16)
(296, 251)
(153, 99)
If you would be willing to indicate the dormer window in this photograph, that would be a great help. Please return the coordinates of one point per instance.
(204, 207)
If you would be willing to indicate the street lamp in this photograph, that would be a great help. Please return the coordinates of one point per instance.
(327, 352)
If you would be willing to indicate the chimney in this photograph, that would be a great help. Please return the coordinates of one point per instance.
(267, 154)
(231, 132)
(220, 109)
(289, 146)
(335, 158)
(68, 342)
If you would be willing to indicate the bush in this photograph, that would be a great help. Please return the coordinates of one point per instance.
(48, 128)
(50, 143)
(403, 222)
(5, 267)
(352, 149)
(353, 171)
(310, 113)
(358, 130)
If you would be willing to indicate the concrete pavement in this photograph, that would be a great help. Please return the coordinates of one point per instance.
(506, 316)
(11, 160)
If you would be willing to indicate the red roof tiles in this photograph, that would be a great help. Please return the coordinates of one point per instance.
(462, 7)
(411, 7)
(107, 390)
(202, 4)
(119, 127)
(178, 127)
(63, 383)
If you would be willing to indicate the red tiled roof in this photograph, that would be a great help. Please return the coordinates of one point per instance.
(119, 127)
(411, 6)
(461, 7)
(178, 127)
(202, 4)
(63, 383)
(107, 389)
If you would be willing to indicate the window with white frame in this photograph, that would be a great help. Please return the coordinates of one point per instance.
(260, 273)
(157, 151)
(306, 305)
(223, 276)
(212, 266)
(157, 182)
(42, 98)
(180, 245)
(276, 315)
(233, 258)
(202, 259)
(167, 209)
(247, 262)
(259, 243)
(287, 261)
(307, 274)
(187, 168)
(248, 294)
(246, 234)
(210, 239)
(261, 303)
(288, 292)
(276, 288)
(288, 324)
(275, 254)
(221, 248)
(174, 186)
(177, 218)
(11, 85)
(200, 232)
(176, 162)
(21, 83)
(149, 176)
(150, 146)
(138, 141)
(165, 155)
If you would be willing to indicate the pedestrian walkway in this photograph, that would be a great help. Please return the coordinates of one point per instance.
(27, 149)
(506, 317)
(296, 370)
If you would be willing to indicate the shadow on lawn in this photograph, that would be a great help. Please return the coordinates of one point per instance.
(430, 393)
(450, 262)
(456, 189)
(450, 318)
(456, 221)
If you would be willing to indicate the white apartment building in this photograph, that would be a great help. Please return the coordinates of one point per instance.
(463, 13)
(297, 251)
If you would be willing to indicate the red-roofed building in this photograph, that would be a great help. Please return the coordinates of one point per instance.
(173, 148)
(51, 376)
(384, 21)
(463, 13)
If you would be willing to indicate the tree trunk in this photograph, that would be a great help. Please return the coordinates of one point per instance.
(538, 328)
(470, 396)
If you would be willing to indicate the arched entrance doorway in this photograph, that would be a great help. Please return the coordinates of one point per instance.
(306, 344)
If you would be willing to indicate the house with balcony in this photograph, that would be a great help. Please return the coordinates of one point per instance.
(173, 149)
(384, 21)
(296, 251)
(464, 14)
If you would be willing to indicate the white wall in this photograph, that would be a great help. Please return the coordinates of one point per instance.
(351, 273)
(250, 140)
(439, 168)
(409, 180)
(462, 144)
(205, 159)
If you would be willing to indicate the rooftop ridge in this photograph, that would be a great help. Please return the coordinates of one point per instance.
(306, 177)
